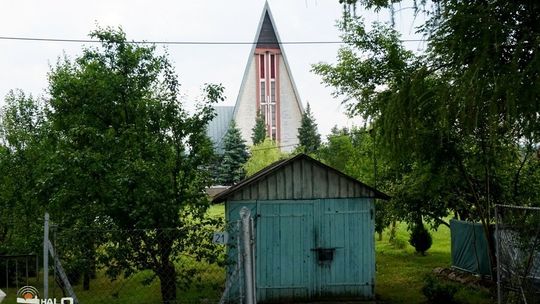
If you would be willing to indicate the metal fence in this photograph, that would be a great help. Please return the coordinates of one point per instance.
(187, 264)
(518, 254)
(19, 258)
(17, 270)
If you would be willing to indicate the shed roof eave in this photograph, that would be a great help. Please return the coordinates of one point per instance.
(281, 163)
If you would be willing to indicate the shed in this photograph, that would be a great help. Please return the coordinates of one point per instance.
(314, 231)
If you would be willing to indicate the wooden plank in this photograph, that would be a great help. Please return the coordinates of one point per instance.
(350, 189)
(356, 191)
(333, 185)
(272, 187)
(343, 187)
(320, 183)
(290, 181)
(297, 179)
(262, 193)
(254, 192)
(307, 181)
(280, 183)
(245, 193)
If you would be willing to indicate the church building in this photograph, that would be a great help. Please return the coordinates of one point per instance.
(267, 87)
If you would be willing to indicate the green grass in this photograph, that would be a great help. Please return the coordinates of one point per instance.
(401, 271)
(207, 284)
(400, 276)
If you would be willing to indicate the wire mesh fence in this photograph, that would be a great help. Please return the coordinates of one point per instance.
(20, 241)
(518, 254)
(168, 265)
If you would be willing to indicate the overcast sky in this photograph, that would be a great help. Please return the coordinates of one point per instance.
(24, 64)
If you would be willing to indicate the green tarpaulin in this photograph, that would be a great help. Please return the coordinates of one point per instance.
(469, 247)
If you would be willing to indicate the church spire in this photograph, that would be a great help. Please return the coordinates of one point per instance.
(267, 36)
(268, 88)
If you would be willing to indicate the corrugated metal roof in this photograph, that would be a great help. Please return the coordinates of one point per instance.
(279, 165)
(219, 125)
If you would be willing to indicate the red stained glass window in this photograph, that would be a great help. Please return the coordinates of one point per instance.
(272, 66)
(261, 65)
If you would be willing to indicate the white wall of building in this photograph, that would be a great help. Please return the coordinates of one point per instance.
(291, 114)
(246, 105)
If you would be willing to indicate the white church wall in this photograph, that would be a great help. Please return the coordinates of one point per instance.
(290, 112)
(246, 105)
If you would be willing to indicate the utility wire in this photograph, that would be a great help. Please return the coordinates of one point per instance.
(270, 148)
(163, 42)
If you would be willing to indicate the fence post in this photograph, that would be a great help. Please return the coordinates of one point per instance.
(245, 215)
(240, 265)
(46, 257)
(498, 253)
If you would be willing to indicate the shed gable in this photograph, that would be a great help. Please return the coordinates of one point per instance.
(302, 178)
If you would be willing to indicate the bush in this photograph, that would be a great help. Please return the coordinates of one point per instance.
(439, 292)
(420, 239)
(398, 243)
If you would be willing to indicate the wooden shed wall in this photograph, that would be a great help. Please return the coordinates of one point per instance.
(287, 232)
(302, 179)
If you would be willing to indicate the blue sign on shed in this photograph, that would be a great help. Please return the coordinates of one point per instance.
(314, 231)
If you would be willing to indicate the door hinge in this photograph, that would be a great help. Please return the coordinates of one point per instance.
(371, 213)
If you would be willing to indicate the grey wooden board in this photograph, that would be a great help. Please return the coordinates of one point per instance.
(302, 179)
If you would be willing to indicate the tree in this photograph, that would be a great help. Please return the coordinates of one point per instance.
(262, 155)
(127, 155)
(457, 121)
(420, 238)
(354, 152)
(308, 136)
(231, 169)
(23, 147)
(338, 151)
(259, 130)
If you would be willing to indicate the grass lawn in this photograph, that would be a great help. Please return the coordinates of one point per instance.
(400, 276)
(401, 271)
(208, 282)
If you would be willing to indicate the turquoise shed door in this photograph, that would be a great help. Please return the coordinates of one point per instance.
(290, 236)
(346, 225)
(284, 262)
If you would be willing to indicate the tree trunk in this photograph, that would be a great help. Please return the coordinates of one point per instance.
(379, 233)
(392, 231)
(86, 280)
(167, 278)
(89, 271)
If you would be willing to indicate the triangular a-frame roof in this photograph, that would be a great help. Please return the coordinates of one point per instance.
(299, 177)
(269, 36)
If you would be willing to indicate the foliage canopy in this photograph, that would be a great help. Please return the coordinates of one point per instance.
(235, 155)
(259, 130)
(308, 135)
(113, 148)
(458, 124)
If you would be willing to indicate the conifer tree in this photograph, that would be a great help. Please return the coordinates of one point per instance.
(235, 155)
(308, 135)
(259, 130)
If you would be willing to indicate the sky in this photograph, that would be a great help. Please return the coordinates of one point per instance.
(24, 64)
